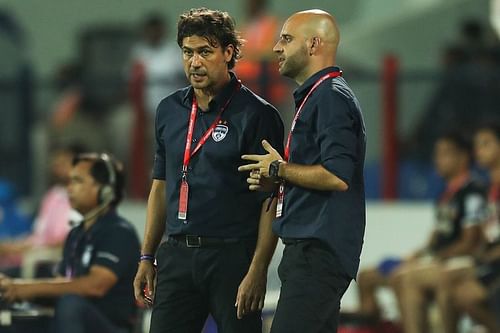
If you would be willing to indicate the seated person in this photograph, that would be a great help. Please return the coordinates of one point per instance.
(94, 290)
(458, 214)
(51, 226)
(470, 290)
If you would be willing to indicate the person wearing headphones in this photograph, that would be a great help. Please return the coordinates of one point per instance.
(94, 288)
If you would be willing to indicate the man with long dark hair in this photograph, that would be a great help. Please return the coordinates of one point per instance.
(219, 240)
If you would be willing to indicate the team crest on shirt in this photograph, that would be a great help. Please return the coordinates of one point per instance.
(87, 255)
(220, 131)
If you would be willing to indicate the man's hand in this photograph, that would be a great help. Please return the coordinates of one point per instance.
(251, 293)
(258, 183)
(145, 283)
(262, 162)
(9, 290)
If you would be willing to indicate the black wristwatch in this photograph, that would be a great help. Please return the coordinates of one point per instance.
(274, 168)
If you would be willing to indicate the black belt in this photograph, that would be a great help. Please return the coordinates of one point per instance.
(201, 241)
(292, 241)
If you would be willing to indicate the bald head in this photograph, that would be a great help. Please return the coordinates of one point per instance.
(316, 23)
(308, 44)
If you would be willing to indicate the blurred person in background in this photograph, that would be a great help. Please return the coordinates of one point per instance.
(475, 290)
(456, 238)
(458, 214)
(257, 67)
(68, 84)
(51, 225)
(94, 287)
(156, 71)
(159, 57)
(321, 202)
(469, 81)
(73, 117)
(219, 239)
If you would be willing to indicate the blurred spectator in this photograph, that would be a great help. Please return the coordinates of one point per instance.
(476, 290)
(94, 287)
(258, 67)
(468, 93)
(156, 72)
(458, 214)
(260, 31)
(68, 84)
(10, 28)
(73, 116)
(51, 225)
(161, 60)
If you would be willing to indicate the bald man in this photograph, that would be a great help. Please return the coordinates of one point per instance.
(319, 180)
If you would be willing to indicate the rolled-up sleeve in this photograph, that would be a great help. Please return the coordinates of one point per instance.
(337, 135)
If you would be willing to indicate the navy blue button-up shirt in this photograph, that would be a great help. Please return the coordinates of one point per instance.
(330, 131)
(220, 203)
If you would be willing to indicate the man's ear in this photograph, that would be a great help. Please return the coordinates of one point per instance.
(228, 53)
(315, 42)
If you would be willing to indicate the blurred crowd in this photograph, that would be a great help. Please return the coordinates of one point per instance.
(458, 269)
(467, 92)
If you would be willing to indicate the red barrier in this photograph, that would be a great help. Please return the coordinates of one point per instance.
(390, 153)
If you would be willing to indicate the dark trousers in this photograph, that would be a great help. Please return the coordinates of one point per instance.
(193, 282)
(77, 314)
(312, 284)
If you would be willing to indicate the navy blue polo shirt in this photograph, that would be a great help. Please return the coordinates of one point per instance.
(220, 204)
(111, 242)
(330, 131)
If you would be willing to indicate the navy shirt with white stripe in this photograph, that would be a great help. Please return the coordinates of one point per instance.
(330, 131)
(110, 242)
(220, 203)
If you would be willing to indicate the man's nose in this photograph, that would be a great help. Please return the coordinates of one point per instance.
(277, 48)
(196, 61)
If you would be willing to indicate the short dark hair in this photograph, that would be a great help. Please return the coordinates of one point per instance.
(491, 126)
(214, 25)
(459, 140)
(99, 171)
(154, 20)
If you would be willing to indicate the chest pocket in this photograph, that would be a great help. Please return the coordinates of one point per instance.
(304, 146)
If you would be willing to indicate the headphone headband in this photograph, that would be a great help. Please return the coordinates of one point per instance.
(109, 166)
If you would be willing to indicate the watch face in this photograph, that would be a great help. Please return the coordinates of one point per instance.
(273, 169)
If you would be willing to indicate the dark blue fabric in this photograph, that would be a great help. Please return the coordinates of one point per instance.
(388, 265)
(330, 131)
(220, 204)
(76, 314)
(113, 243)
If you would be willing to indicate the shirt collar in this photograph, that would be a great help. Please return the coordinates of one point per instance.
(102, 220)
(219, 100)
(302, 90)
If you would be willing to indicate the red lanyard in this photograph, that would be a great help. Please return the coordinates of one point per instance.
(189, 138)
(299, 110)
(453, 188)
(281, 190)
(192, 120)
(184, 189)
